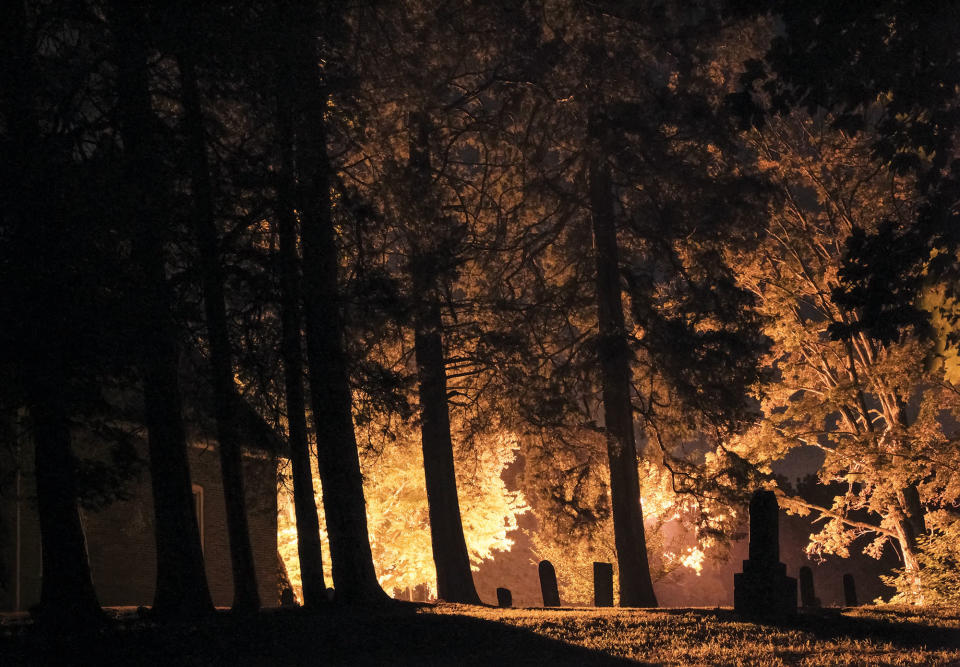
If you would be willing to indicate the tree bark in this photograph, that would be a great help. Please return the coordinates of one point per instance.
(305, 507)
(636, 586)
(450, 556)
(181, 588)
(910, 525)
(354, 576)
(913, 508)
(246, 594)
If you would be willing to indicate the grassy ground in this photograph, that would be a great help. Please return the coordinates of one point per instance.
(868, 635)
(409, 634)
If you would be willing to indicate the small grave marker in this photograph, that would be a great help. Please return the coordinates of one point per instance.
(603, 585)
(807, 596)
(548, 584)
(849, 591)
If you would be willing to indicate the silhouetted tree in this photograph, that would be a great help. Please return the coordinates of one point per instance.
(46, 339)
(632, 158)
(426, 266)
(181, 588)
(308, 526)
(188, 39)
(344, 508)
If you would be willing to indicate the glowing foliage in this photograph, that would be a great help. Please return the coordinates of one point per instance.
(939, 558)
(397, 514)
(874, 409)
(671, 544)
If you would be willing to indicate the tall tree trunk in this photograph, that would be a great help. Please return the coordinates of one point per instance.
(246, 596)
(67, 595)
(305, 507)
(181, 588)
(636, 586)
(354, 576)
(450, 556)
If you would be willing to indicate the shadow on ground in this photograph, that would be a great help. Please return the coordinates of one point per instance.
(336, 636)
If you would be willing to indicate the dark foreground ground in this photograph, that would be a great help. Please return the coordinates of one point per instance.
(410, 634)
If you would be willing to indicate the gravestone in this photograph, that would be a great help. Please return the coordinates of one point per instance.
(504, 598)
(808, 597)
(763, 588)
(602, 585)
(849, 591)
(286, 598)
(548, 584)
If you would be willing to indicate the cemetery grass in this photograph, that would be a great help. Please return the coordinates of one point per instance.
(454, 635)
(870, 635)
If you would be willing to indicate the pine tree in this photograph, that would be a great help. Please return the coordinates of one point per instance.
(353, 572)
(181, 588)
(47, 339)
(246, 595)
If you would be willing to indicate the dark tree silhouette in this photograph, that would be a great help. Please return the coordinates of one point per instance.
(181, 588)
(636, 586)
(308, 524)
(41, 317)
(624, 158)
(354, 577)
(246, 595)
(454, 578)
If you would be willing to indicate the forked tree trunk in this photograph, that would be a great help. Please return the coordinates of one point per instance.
(305, 506)
(246, 596)
(354, 576)
(636, 586)
(450, 556)
(181, 588)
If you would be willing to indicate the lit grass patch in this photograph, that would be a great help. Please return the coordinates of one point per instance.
(867, 635)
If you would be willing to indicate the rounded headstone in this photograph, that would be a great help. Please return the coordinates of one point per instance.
(548, 584)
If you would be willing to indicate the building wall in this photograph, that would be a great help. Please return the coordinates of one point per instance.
(14, 458)
(120, 538)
